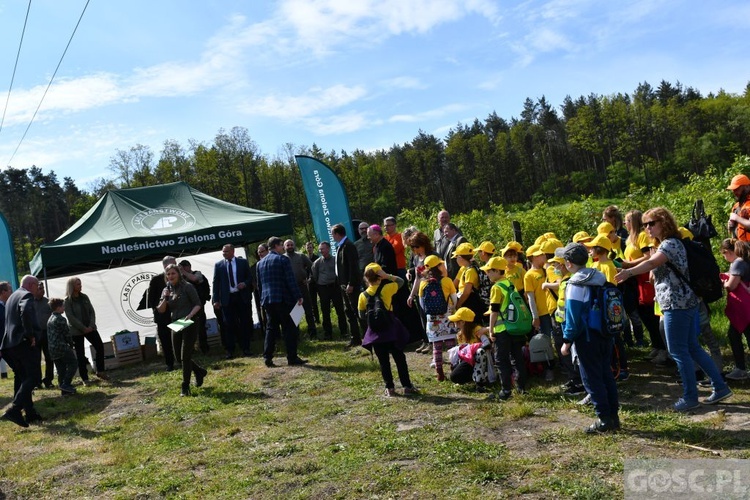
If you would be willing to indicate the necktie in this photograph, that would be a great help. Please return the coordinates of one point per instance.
(232, 284)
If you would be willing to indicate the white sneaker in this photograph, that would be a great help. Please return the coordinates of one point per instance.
(432, 364)
(737, 374)
(585, 401)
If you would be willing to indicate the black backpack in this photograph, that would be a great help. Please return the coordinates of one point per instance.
(700, 224)
(704, 271)
(378, 317)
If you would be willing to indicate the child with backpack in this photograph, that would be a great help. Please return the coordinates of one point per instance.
(593, 348)
(437, 295)
(468, 281)
(470, 359)
(537, 297)
(515, 272)
(510, 322)
(600, 247)
(385, 334)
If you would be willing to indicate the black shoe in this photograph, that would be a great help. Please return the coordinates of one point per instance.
(204, 348)
(170, 368)
(269, 363)
(600, 426)
(185, 390)
(15, 416)
(575, 390)
(354, 343)
(247, 353)
(297, 362)
(200, 374)
(48, 384)
(34, 417)
(228, 355)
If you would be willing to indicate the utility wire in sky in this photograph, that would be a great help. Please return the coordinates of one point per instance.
(50, 82)
(13, 77)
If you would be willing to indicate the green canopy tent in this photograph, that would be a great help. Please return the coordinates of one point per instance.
(130, 226)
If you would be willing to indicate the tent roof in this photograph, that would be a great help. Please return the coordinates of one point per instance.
(128, 226)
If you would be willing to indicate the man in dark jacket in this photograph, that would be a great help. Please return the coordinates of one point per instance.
(233, 291)
(19, 346)
(349, 278)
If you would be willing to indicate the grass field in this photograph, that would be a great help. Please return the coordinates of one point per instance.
(325, 430)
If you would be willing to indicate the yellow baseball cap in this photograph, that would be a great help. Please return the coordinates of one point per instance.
(497, 263)
(581, 237)
(486, 246)
(432, 261)
(534, 250)
(550, 245)
(600, 240)
(605, 228)
(512, 245)
(373, 267)
(463, 314)
(463, 249)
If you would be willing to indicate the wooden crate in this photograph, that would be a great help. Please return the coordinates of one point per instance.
(110, 361)
(127, 348)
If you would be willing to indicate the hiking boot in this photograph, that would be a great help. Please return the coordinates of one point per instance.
(737, 374)
(717, 396)
(411, 391)
(390, 392)
(33, 416)
(682, 406)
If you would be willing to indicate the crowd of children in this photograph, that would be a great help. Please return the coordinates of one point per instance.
(485, 318)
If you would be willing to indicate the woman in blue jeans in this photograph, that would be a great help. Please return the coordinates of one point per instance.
(680, 306)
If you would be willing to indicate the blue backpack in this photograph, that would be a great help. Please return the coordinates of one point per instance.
(606, 310)
(433, 298)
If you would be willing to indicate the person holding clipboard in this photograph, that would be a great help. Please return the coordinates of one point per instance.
(182, 299)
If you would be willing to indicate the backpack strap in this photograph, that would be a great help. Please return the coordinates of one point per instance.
(507, 291)
(677, 271)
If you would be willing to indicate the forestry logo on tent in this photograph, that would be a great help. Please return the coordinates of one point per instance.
(134, 299)
(163, 220)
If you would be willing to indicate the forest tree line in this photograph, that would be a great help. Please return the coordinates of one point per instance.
(593, 145)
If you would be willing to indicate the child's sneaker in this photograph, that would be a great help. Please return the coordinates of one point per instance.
(585, 401)
(717, 396)
(681, 405)
(623, 376)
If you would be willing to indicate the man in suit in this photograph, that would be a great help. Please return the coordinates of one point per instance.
(454, 238)
(364, 247)
(279, 294)
(232, 291)
(155, 289)
(19, 345)
(439, 239)
(349, 278)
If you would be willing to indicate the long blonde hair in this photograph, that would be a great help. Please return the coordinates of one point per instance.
(70, 285)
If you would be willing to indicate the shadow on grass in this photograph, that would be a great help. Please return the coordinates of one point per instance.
(228, 397)
(53, 409)
(355, 367)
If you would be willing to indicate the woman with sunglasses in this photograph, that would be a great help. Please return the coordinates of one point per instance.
(679, 305)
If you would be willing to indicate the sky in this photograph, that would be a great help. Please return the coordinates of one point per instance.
(342, 74)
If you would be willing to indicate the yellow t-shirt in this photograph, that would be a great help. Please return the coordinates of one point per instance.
(633, 253)
(445, 283)
(608, 269)
(469, 275)
(497, 297)
(516, 275)
(552, 277)
(532, 284)
(387, 293)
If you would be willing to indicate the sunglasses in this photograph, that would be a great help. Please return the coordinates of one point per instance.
(650, 223)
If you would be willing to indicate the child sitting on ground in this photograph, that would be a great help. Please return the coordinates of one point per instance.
(470, 359)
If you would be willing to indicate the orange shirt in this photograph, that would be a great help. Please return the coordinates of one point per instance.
(743, 211)
(397, 242)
